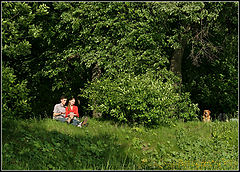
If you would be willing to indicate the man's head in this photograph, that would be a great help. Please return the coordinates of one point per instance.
(63, 100)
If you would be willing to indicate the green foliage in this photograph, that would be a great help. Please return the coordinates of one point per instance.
(149, 99)
(55, 45)
(19, 29)
(14, 95)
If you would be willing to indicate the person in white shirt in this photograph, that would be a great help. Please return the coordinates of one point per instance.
(60, 110)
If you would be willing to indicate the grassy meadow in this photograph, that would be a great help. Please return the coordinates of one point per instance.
(50, 145)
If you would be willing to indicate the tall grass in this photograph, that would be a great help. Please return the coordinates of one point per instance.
(50, 145)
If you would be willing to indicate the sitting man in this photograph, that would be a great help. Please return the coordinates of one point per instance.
(60, 110)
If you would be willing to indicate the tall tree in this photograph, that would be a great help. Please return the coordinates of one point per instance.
(190, 23)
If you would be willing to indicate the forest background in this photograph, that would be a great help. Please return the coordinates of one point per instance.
(145, 63)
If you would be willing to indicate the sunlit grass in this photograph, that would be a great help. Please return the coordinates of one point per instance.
(103, 145)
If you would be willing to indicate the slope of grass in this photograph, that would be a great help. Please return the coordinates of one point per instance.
(50, 145)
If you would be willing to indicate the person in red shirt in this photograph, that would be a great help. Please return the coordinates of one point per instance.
(71, 111)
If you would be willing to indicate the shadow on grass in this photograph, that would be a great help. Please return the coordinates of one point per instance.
(32, 147)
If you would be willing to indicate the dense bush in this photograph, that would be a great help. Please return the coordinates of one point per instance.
(147, 99)
(14, 95)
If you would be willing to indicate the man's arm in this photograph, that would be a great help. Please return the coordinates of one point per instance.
(56, 111)
(56, 114)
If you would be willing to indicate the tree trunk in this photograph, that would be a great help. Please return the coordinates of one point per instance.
(96, 73)
(176, 64)
(176, 61)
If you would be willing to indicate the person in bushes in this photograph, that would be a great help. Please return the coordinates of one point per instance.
(60, 110)
(72, 113)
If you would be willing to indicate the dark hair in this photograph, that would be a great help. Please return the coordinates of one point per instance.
(63, 97)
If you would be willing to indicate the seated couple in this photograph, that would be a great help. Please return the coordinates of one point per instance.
(67, 114)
